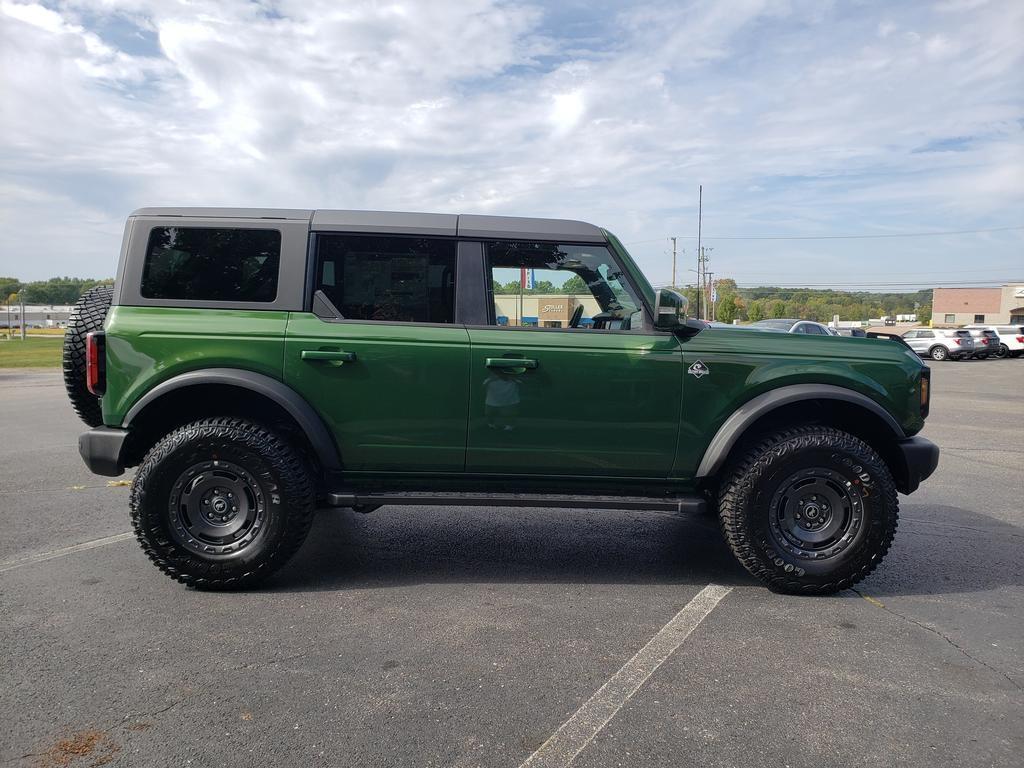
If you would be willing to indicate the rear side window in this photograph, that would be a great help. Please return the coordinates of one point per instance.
(389, 279)
(207, 264)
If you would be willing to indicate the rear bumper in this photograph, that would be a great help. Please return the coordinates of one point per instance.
(102, 449)
(919, 458)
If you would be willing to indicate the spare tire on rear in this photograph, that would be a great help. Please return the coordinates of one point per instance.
(88, 315)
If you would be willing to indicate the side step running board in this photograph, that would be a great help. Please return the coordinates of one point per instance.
(686, 504)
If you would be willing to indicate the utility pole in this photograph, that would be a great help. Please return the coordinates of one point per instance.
(700, 250)
(673, 262)
(712, 298)
(22, 297)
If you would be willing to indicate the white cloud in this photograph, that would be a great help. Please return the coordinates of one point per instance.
(796, 116)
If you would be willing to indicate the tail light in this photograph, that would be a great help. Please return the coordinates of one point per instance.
(1020, 339)
(926, 391)
(957, 342)
(95, 363)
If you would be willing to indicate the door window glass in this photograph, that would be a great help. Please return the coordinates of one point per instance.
(211, 264)
(396, 279)
(548, 285)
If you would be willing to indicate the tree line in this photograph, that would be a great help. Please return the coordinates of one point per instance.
(752, 304)
(56, 290)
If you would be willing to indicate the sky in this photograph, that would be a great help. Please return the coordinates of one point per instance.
(799, 119)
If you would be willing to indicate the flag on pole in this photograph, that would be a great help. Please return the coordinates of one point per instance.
(526, 278)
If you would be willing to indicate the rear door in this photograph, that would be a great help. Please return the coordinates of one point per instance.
(568, 378)
(389, 375)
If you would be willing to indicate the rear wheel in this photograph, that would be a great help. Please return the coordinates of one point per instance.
(938, 353)
(1003, 351)
(811, 510)
(221, 503)
(87, 316)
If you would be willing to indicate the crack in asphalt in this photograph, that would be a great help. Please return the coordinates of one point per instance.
(939, 633)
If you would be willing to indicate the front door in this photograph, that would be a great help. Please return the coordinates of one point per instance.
(390, 375)
(568, 378)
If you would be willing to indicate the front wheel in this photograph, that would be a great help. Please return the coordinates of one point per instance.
(221, 503)
(810, 510)
(938, 353)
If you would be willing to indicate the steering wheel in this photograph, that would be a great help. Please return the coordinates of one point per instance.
(577, 315)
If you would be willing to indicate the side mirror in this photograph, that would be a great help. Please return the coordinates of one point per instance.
(669, 309)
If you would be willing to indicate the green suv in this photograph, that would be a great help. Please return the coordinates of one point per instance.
(256, 365)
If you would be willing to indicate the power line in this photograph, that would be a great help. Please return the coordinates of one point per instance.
(921, 284)
(836, 237)
(910, 272)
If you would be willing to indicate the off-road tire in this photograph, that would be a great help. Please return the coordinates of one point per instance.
(87, 316)
(283, 488)
(753, 482)
(938, 353)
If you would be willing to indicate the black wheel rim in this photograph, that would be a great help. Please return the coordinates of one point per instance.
(816, 514)
(216, 508)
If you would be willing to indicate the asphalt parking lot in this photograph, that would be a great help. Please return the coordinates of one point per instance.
(469, 636)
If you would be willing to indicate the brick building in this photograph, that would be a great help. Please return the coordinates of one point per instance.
(993, 306)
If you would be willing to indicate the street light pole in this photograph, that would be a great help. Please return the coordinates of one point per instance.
(673, 262)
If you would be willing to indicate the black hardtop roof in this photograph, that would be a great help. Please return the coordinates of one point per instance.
(438, 224)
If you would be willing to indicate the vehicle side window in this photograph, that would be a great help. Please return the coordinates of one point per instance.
(396, 279)
(912, 335)
(814, 330)
(549, 285)
(211, 264)
(926, 334)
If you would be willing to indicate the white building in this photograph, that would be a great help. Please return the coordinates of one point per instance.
(36, 315)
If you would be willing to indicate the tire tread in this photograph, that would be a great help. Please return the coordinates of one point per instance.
(739, 489)
(297, 491)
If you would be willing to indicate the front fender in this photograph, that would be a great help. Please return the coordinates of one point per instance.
(752, 410)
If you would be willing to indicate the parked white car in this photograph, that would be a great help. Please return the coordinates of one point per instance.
(1011, 338)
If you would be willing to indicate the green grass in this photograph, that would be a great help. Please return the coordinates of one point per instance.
(31, 353)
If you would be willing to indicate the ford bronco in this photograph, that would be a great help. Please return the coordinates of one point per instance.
(256, 365)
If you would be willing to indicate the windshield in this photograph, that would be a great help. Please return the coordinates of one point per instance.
(779, 325)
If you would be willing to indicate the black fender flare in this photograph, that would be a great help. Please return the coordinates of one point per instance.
(740, 419)
(291, 401)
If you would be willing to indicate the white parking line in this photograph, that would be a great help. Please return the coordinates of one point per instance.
(580, 729)
(10, 565)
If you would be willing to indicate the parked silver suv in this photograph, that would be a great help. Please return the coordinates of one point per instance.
(986, 343)
(1011, 338)
(940, 343)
